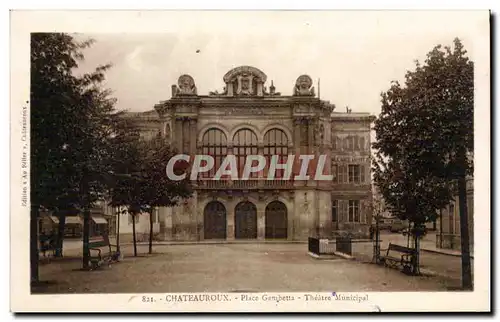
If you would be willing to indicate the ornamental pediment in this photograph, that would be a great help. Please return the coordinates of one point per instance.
(244, 81)
(245, 71)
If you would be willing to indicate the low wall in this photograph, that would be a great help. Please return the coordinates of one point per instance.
(449, 241)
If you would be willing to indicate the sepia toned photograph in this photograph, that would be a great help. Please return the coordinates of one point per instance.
(250, 161)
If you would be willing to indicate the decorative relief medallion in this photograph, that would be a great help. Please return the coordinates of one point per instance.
(303, 86)
(185, 86)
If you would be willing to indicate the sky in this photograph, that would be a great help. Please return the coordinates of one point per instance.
(355, 54)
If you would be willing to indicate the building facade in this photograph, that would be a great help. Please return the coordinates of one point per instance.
(448, 235)
(247, 118)
(103, 218)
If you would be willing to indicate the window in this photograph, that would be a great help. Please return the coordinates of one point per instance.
(214, 143)
(349, 143)
(341, 173)
(361, 143)
(451, 210)
(156, 214)
(335, 209)
(354, 214)
(244, 143)
(336, 143)
(353, 143)
(130, 219)
(354, 173)
(335, 173)
(451, 218)
(345, 144)
(276, 143)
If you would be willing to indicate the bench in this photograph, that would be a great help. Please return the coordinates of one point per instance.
(97, 259)
(405, 260)
(48, 243)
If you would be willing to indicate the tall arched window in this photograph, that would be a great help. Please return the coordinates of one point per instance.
(214, 143)
(244, 143)
(276, 143)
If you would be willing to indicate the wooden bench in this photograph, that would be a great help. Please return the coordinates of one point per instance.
(405, 260)
(48, 243)
(97, 259)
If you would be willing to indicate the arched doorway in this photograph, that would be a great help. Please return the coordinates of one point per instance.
(214, 221)
(245, 221)
(276, 220)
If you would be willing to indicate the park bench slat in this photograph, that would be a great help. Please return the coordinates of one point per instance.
(406, 259)
(97, 260)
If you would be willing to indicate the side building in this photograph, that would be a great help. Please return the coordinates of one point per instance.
(448, 234)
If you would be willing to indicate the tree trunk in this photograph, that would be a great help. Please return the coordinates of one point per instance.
(86, 237)
(464, 233)
(409, 235)
(60, 234)
(440, 228)
(133, 235)
(151, 231)
(416, 259)
(34, 243)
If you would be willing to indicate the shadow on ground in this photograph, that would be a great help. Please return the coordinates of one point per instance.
(230, 268)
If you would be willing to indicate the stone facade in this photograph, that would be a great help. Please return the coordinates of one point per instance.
(448, 235)
(103, 219)
(243, 117)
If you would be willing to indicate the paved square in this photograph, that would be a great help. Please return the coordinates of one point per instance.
(231, 268)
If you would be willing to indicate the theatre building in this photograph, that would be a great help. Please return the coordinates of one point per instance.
(249, 117)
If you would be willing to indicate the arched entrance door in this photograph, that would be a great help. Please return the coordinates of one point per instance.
(214, 221)
(245, 218)
(276, 220)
